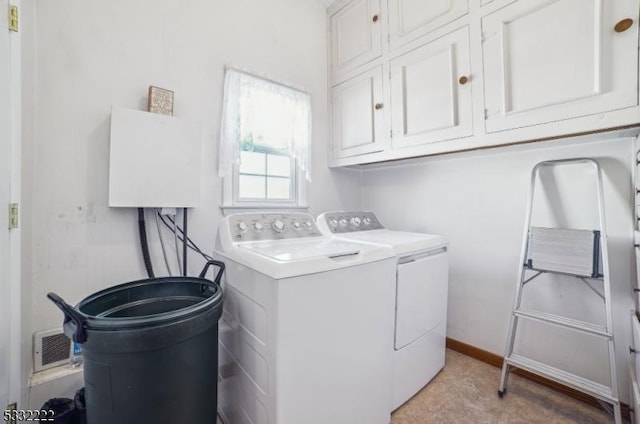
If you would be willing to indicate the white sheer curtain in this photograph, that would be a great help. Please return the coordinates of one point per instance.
(266, 113)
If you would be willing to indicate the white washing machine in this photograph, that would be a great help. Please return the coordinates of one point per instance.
(420, 296)
(302, 337)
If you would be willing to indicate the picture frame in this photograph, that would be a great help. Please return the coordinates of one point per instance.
(160, 100)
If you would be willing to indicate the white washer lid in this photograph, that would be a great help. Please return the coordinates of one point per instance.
(402, 242)
(303, 249)
(290, 258)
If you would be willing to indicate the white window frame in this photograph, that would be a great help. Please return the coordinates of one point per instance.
(293, 178)
(299, 183)
(298, 189)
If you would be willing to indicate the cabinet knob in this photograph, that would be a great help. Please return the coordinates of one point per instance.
(378, 106)
(623, 25)
(463, 80)
(375, 18)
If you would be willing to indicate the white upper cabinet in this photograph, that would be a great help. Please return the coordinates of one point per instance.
(358, 115)
(452, 75)
(431, 92)
(551, 60)
(411, 19)
(356, 35)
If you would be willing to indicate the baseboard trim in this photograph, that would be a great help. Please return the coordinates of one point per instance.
(496, 360)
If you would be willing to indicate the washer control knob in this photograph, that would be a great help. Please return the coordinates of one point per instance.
(333, 222)
(355, 221)
(308, 224)
(366, 220)
(258, 226)
(278, 225)
(343, 222)
(296, 225)
(242, 226)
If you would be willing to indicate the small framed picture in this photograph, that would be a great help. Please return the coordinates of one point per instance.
(160, 100)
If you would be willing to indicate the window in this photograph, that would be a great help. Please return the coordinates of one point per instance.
(265, 142)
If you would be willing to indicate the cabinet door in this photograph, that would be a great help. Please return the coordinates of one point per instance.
(549, 60)
(356, 35)
(410, 19)
(429, 100)
(358, 115)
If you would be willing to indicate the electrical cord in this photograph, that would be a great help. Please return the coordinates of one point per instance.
(164, 250)
(175, 238)
(185, 253)
(190, 242)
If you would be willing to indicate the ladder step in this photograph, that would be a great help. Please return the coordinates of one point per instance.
(581, 384)
(572, 324)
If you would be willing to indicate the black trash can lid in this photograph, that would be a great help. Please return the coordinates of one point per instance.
(149, 302)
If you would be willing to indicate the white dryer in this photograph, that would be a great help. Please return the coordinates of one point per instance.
(302, 337)
(420, 296)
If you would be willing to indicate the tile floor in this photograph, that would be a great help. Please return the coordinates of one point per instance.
(465, 391)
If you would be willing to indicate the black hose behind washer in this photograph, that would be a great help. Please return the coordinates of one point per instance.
(142, 228)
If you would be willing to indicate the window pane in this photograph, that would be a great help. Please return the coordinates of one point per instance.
(278, 188)
(252, 163)
(250, 187)
(279, 165)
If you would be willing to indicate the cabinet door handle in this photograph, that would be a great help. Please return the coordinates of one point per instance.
(375, 18)
(623, 25)
(463, 80)
(378, 106)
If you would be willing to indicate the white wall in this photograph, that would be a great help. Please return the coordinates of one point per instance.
(478, 201)
(89, 56)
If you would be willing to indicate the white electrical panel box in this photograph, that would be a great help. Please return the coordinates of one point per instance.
(155, 160)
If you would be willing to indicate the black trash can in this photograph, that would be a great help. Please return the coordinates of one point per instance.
(81, 407)
(150, 349)
(63, 411)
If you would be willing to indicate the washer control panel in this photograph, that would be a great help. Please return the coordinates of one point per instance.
(272, 226)
(349, 222)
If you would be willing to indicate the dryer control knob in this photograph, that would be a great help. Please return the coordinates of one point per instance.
(366, 220)
(356, 221)
(333, 222)
(258, 226)
(343, 222)
(308, 224)
(278, 225)
(242, 227)
(296, 225)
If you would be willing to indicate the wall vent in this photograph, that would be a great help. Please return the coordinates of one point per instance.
(51, 348)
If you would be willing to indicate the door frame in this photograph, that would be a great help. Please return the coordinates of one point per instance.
(17, 376)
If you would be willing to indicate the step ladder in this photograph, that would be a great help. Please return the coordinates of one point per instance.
(599, 273)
